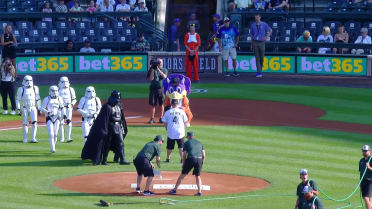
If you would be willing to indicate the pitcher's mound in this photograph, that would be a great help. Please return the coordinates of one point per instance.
(120, 183)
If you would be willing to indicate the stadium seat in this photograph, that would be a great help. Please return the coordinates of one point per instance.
(120, 25)
(333, 25)
(90, 32)
(286, 39)
(30, 9)
(298, 25)
(18, 33)
(100, 25)
(104, 38)
(24, 25)
(73, 32)
(45, 39)
(12, 3)
(34, 34)
(13, 9)
(43, 25)
(3, 24)
(82, 25)
(62, 39)
(110, 32)
(27, 40)
(236, 20)
(63, 25)
(123, 39)
(352, 26)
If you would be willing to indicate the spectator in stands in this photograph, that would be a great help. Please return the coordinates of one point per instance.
(9, 43)
(87, 48)
(141, 6)
(132, 4)
(69, 46)
(99, 3)
(306, 37)
(123, 6)
(231, 7)
(364, 38)
(141, 44)
(61, 8)
(8, 76)
(70, 4)
(133, 21)
(174, 35)
(213, 41)
(325, 37)
(217, 23)
(342, 4)
(259, 5)
(278, 5)
(243, 4)
(106, 6)
(76, 8)
(193, 21)
(341, 37)
(91, 8)
(260, 32)
(47, 9)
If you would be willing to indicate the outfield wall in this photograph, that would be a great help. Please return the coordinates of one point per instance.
(209, 62)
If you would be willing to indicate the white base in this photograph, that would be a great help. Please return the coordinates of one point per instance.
(171, 186)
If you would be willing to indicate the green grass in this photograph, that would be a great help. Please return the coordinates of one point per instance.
(273, 153)
(341, 104)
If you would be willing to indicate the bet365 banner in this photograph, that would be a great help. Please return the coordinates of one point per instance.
(45, 64)
(111, 63)
(351, 66)
(272, 64)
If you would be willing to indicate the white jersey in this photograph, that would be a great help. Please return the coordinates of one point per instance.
(89, 107)
(52, 107)
(29, 97)
(68, 96)
(175, 119)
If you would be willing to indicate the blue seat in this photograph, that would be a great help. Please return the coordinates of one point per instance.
(333, 25)
(73, 32)
(90, 32)
(30, 9)
(5, 23)
(104, 38)
(13, 9)
(26, 40)
(286, 39)
(122, 38)
(100, 25)
(35, 34)
(120, 25)
(110, 32)
(82, 25)
(63, 25)
(352, 26)
(12, 3)
(19, 33)
(46, 39)
(62, 39)
(43, 25)
(24, 25)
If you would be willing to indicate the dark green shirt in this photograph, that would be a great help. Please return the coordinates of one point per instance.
(150, 150)
(362, 167)
(314, 203)
(193, 148)
(157, 83)
(300, 188)
(140, 45)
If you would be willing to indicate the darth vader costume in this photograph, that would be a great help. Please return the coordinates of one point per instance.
(107, 133)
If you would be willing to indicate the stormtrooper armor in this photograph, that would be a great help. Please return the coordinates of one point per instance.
(27, 103)
(89, 107)
(53, 109)
(67, 94)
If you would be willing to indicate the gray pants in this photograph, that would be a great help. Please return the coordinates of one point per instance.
(259, 53)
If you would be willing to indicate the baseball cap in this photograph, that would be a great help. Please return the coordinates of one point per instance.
(158, 138)
(226, 19)
(86, 41)
(307, 189)
(176, 20)
(303, 172)
(366, 148)
(190, 133)
(141, 1)
(174, 101)
(217, 16)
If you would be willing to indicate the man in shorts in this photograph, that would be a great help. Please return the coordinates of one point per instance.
(144, 166)
(175, 120)
(366, 184)
(228, 39)
(301, 200)
(193, 158)
(156, 74)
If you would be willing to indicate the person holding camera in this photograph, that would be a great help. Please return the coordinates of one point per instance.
(9, 42)
(8, 77)
(156, 74)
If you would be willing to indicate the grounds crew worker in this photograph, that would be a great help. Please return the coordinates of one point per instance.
(143, 164)
(193, 158)
(366, 184)
(312, 201)
(301, 200)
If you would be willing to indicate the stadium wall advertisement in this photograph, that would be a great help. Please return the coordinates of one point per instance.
(209, 62)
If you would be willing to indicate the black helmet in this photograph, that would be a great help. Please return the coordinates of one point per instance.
(115, 97)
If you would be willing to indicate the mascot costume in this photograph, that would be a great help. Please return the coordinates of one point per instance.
(177, 86)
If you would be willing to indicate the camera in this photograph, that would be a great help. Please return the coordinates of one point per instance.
(154, 63)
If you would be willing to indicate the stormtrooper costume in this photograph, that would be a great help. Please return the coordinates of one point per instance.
(89, 107)
(53, 109)
(29, 96)
(68, 96)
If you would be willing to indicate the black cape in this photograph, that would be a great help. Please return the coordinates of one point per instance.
(99, 134)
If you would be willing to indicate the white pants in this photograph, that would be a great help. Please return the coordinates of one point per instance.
(86, 125)
(32, 112)
(68, 113)
(53, 133)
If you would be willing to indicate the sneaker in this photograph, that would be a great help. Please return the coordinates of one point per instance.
(227, 74)
(172, 192)
(151, 121)
(198, 194)
(160, 120)
(5, 112)
(34, 141)
(235, 74)
(53, 151)
(148, 193)
(124, 163)
(181, 161)
(24, 140)
(259, 75)
(188, 125)
(167, 160)
(69, 141)
(13, 112)
(138, 191)
(104, 163)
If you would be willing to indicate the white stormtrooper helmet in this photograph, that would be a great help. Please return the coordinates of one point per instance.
(90, 92)
(53, 91)
(64, 82)
(27, 81)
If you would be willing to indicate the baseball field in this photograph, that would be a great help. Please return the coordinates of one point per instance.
(264, 131)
